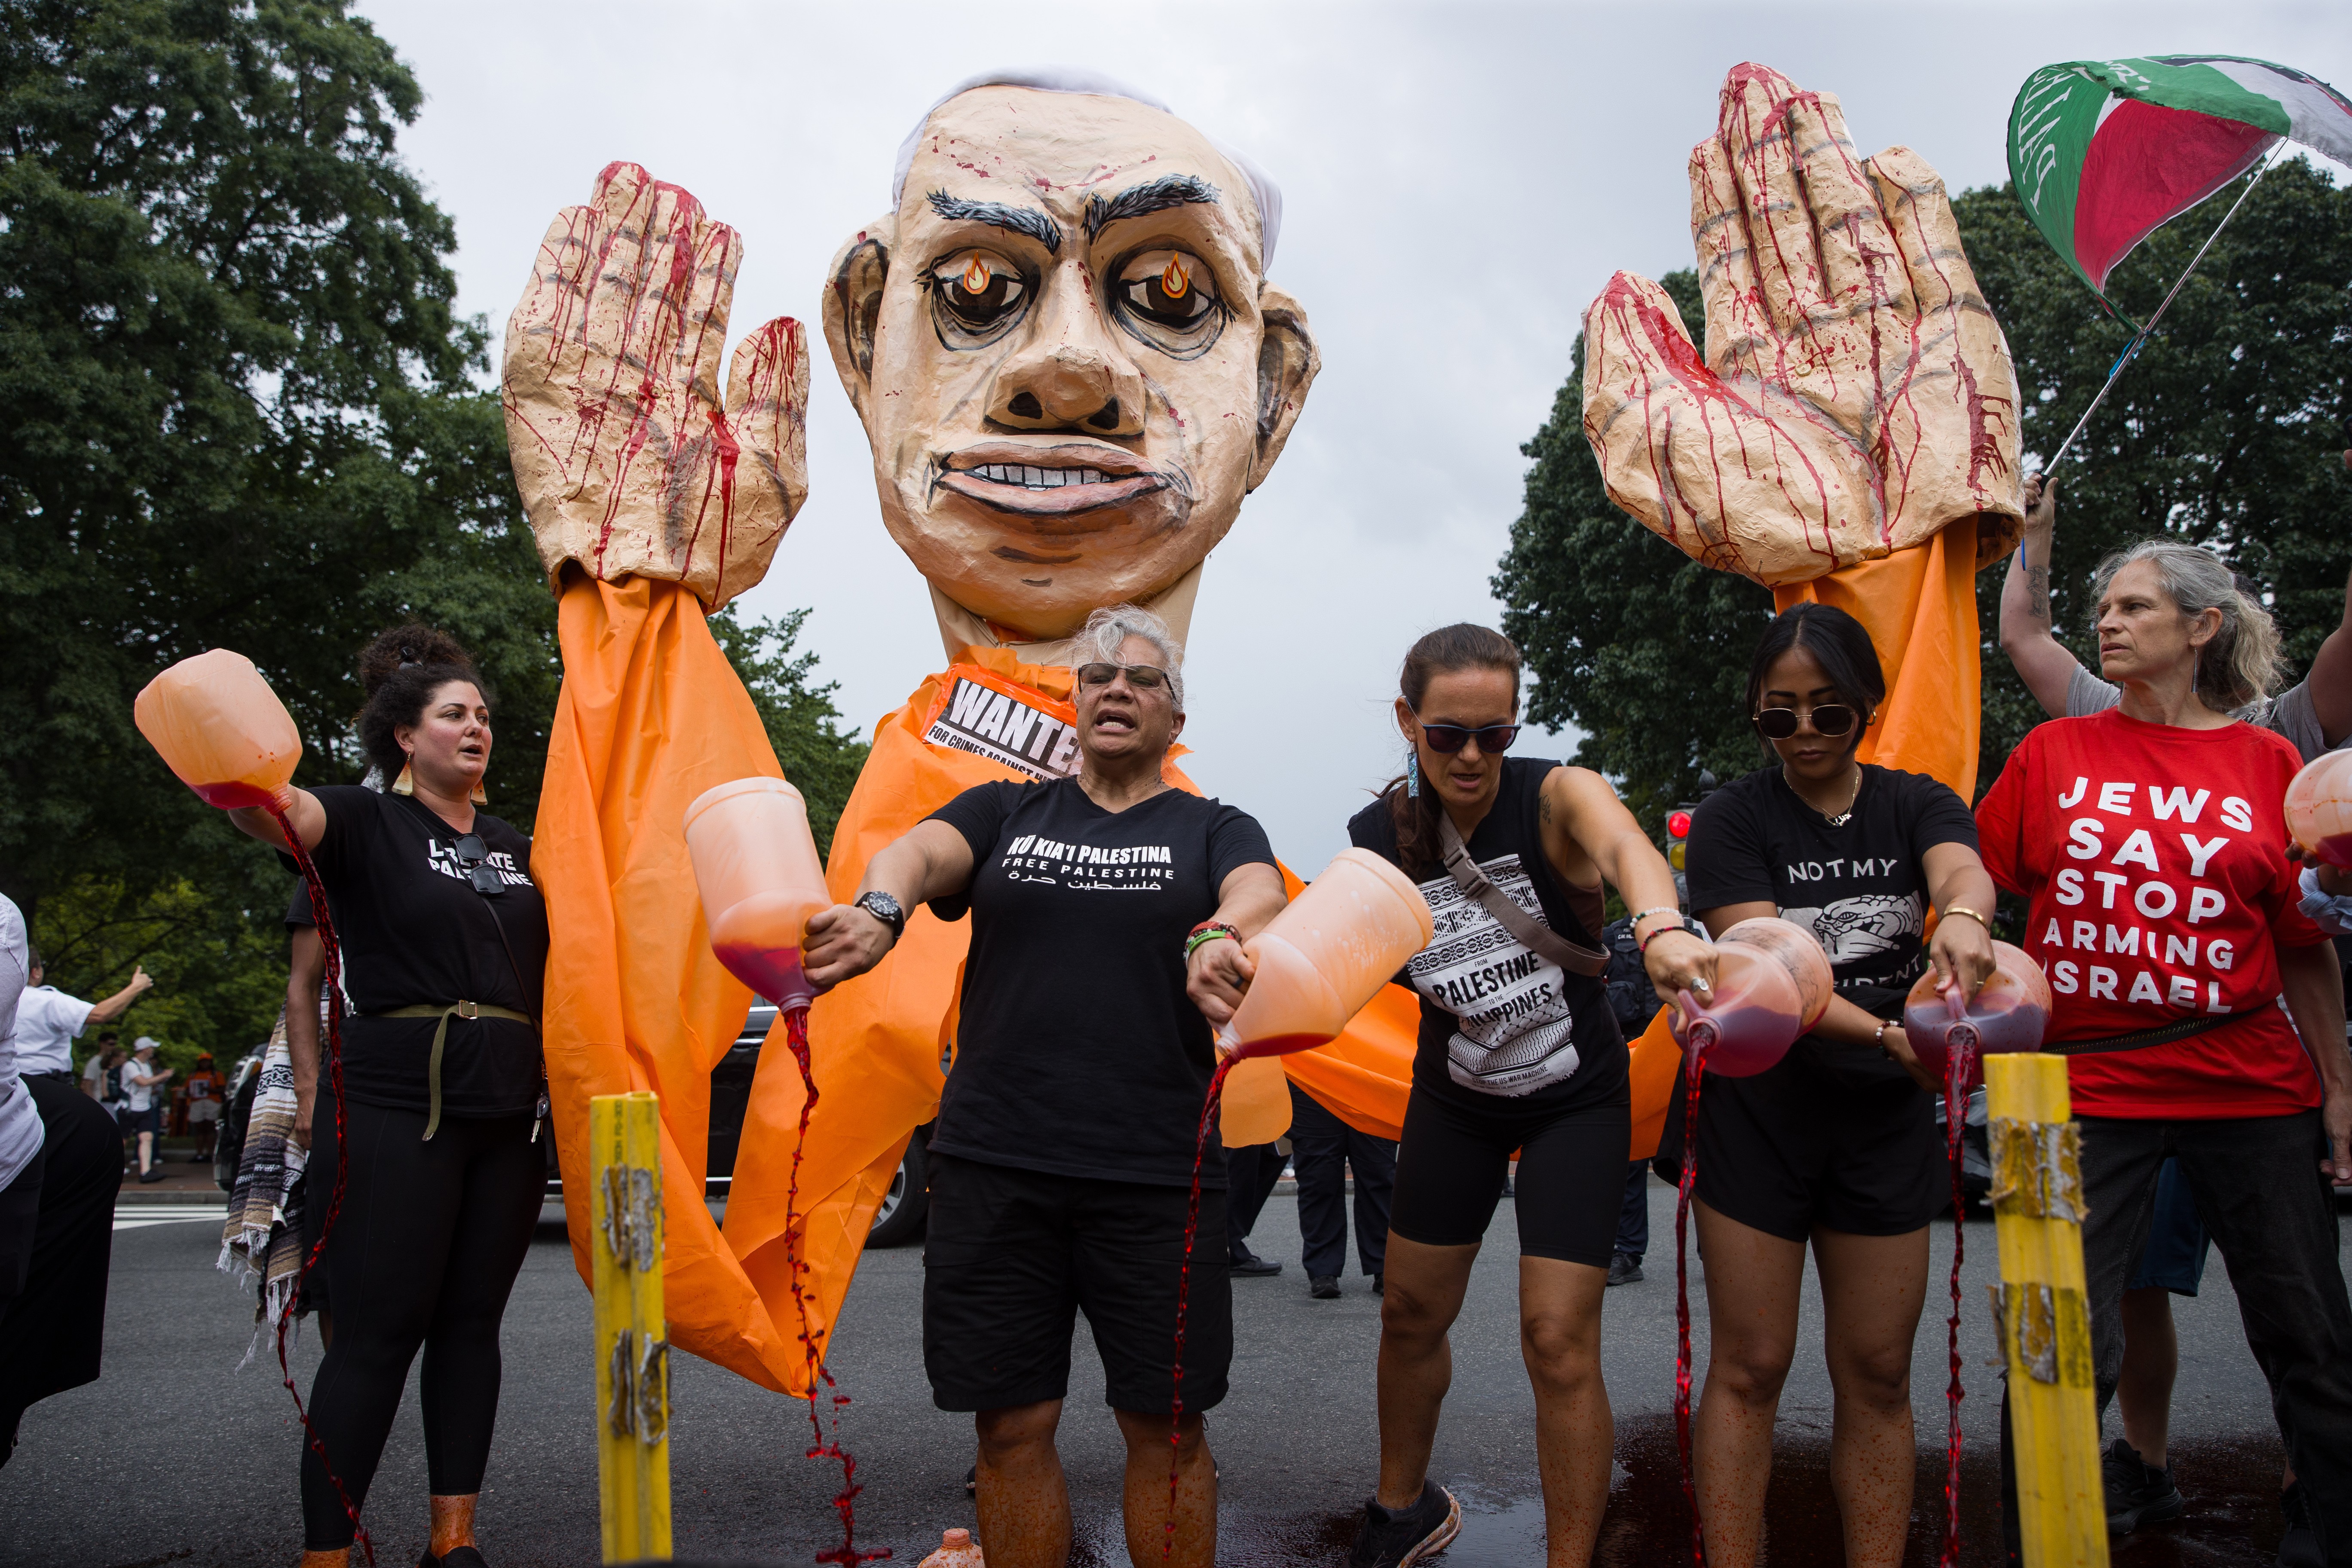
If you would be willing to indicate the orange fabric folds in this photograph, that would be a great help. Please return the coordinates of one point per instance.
(1919, 607)
(651, 715)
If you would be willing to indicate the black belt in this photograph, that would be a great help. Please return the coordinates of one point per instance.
(56, 1075)
(2145, 1037)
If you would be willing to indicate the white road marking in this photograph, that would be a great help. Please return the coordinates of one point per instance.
(141, 1218)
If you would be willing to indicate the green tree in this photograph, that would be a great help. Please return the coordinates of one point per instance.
(2225, 433)
(803, 726)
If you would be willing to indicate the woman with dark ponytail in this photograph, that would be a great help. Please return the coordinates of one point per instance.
(444, 940)
(1519, 1051)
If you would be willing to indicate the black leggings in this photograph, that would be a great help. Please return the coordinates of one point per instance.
(425, 1253)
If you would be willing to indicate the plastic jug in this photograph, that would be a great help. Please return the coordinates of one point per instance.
(2008, 1015)
(2319, 810)
(957, 1550)
(217, 724)
(1327, 953)
(1255, 1105)
(755, 862)
(1772, 982)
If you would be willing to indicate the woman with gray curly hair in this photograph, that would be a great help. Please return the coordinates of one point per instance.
(2150, 839)
(1107, 910)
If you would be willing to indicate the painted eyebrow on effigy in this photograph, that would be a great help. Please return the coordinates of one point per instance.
(1158, 196)
(1016, 220)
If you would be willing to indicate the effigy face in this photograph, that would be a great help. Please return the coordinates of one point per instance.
(1068, 363)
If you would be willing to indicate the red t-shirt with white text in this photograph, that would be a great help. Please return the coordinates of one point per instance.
(2155, 858)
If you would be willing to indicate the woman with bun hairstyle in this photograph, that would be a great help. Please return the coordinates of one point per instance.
(1833, 1147)
(444, 940)
(1519, 1052)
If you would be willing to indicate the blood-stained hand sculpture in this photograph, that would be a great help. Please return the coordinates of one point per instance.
(1857, 394)
(627, 462)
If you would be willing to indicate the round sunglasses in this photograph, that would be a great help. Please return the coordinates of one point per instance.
(1830, 719)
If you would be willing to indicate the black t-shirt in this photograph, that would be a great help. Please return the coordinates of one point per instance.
(413, 930)
(1858, 887)
(1497, 1020)
(1077, 1052)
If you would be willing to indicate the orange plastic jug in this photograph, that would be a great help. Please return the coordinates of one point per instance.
(755, 862)
(2319, 810)
(1772, 982)
(957, 1550)
(1255, 1106)
(1326, 954)
(2009, 1014)
(217, 724)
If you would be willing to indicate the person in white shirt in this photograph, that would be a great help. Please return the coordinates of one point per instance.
(49, 1020)
(142, 1086)
(93, 1071)
(20, 1123)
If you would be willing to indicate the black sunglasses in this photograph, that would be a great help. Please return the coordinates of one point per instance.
(1446, 740)
(1142, 677)
(1831, 719)
(474, 856)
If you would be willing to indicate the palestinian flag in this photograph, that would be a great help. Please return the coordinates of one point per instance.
(2103, 152)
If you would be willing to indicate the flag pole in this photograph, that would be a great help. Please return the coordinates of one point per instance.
(2140, 338)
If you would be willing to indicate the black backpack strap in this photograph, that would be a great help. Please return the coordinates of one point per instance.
(1532, 933)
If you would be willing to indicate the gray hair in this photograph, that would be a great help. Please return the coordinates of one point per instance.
(1107, 630)
(2241, 664)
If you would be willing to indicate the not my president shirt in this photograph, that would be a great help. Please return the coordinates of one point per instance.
(1077, 1052)
(2155, 861)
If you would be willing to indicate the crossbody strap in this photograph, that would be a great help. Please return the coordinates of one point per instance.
(1532, 933)
(2140, 1041)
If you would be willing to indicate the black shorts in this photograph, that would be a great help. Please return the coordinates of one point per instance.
(1795, 1147)
(148, 1120)
(1011, 1257)
(1571, 1182)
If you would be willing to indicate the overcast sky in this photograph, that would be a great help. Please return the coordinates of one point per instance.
(1458, 183)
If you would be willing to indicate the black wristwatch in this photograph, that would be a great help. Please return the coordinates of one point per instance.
(884, 908)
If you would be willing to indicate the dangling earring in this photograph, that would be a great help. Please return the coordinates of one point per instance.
(480, 796)
(406, 783)
(1412, 774)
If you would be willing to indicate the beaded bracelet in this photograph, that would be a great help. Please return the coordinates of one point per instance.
(1208, 931)
(1641, 945)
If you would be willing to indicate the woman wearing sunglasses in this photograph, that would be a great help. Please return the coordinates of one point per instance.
(1836, 1145)
(1519, 1052)
(444, 939)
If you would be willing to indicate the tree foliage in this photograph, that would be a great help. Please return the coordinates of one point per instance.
(2224, 432)
(242, 413)
(803, 726)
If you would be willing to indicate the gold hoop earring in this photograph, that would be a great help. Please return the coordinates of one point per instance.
(406, 783)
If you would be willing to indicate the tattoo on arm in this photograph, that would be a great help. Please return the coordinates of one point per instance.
(2037, 589)
(1543, 807)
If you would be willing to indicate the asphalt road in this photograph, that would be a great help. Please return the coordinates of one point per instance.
(175, 1456)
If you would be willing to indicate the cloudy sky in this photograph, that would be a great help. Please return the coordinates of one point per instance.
(1459, 181)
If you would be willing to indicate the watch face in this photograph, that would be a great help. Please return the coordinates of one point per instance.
(883, 904)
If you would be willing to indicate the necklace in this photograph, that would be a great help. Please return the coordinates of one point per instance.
(1841, 818)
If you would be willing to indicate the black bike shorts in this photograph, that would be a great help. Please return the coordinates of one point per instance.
(1011, 1257)
(1571, 1180)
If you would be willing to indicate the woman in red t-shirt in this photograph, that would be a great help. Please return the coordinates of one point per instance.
(2151, 840)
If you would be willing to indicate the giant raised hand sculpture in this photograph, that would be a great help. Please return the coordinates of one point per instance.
(1850, 433)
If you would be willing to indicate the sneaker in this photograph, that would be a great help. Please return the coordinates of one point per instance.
(1380, 1284)
(1624, 1269)
(151, 1175)
(1400, 1537)
(457, 1557)
(1249, 1265)
(971, 1481)
(1323, 1287)
(2138, 1493)
(2299, 1547)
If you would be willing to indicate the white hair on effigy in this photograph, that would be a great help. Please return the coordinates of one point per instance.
(1078, 79)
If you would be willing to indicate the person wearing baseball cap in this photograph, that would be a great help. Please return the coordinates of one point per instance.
(142, 1083)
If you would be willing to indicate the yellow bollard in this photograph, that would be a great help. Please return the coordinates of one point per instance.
(2040, 1312)
(631, 1343)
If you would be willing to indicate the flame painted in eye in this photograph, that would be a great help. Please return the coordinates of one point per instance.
(975, 276)
(1175, 280)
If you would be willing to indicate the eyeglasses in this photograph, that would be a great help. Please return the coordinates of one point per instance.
(474, 856)
(1831, 719)
(1446, 740)
(1142, 677)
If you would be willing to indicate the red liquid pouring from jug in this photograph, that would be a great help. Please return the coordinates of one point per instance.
(1951, 1034)
(1315, 965)
(756, 865)
(1772, 984)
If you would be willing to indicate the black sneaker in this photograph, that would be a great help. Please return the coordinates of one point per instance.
(971, 1481)
(1624, 1269)
(2299, 1547)
(1323, 1287)
(1400, 1537)
(457, 1557)
(1380, 1284)
(1249, 1265)
(2138, 1493)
